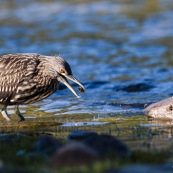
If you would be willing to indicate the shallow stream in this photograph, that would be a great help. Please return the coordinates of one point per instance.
(120, 50)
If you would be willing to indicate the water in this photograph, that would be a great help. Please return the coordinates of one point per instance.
(120, 50)
(71, 124)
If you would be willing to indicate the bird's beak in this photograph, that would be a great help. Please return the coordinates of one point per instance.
(72, 78)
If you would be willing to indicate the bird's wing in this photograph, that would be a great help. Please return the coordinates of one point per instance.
(16, 69)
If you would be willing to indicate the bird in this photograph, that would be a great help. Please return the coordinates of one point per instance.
(30, 77)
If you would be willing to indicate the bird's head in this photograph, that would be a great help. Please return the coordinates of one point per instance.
(64, 73)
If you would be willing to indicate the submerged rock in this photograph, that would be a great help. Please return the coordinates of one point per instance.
(136, 87)
(73, 154)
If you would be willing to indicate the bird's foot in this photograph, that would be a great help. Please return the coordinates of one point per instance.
(22, 119)
(19, 114)
(5, 114)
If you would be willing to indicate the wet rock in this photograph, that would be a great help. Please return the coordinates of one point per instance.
(47, 145)
(136, 87)
(107, 146)
(80, 135)
(73, 154)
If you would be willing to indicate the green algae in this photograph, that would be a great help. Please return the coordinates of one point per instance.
(22, 136)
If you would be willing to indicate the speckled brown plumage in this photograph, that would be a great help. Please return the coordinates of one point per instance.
(27, 78)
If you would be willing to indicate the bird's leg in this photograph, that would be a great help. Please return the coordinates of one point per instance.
(5, 114)
(18, 113)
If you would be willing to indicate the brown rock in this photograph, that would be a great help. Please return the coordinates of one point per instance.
(73, 154)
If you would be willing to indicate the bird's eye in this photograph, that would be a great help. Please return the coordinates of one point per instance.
(62, 71)
(171, 108)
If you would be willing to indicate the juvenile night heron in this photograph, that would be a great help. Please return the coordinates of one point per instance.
(27, 78)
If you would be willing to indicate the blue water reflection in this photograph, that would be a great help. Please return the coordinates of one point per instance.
(109, 44)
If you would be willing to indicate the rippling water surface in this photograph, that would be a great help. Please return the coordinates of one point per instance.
(120, 50)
